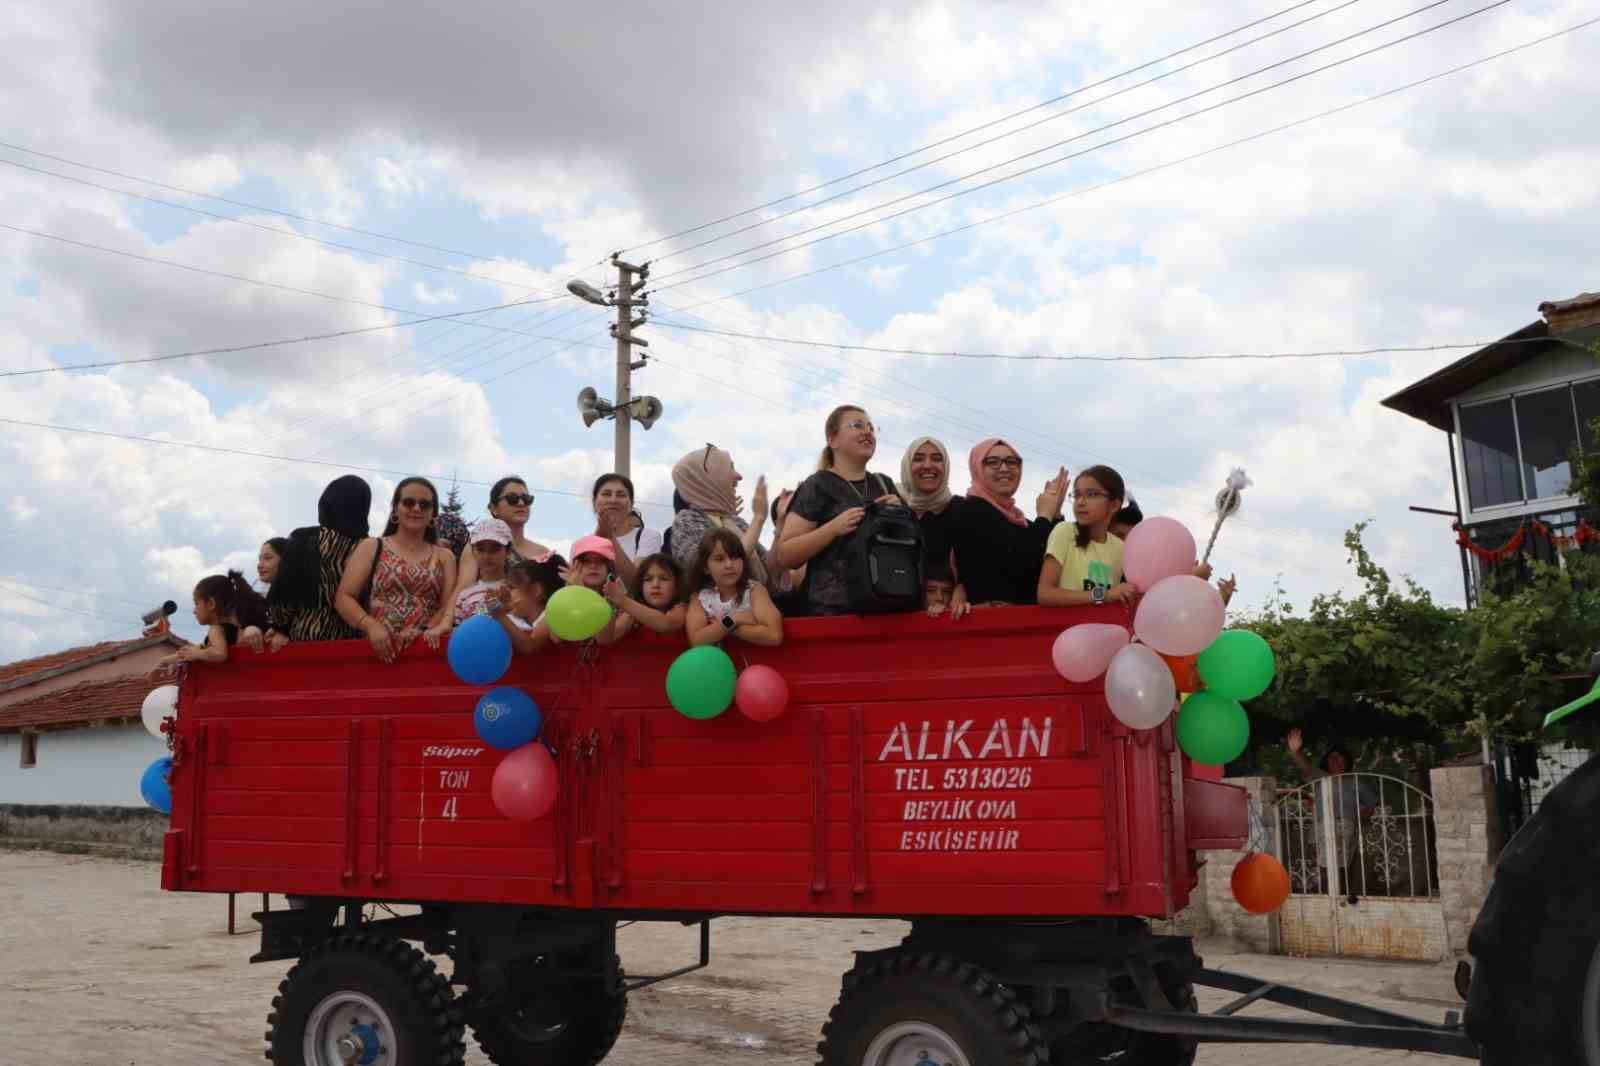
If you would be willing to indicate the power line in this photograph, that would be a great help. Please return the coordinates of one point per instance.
(669, 324)
(964, 133)
(1143, 173)
(1096, 102)
(57, 606)
(96, 593)
(1071, 155)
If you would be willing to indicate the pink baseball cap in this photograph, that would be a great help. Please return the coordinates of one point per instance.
(593, 545)
(491, 529)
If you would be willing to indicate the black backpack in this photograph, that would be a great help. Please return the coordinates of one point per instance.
(884, 562)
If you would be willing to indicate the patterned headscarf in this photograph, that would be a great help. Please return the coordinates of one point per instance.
(924, 502)
(1007, 507)
(704, 478)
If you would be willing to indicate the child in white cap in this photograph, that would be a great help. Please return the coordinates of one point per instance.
(490, 539)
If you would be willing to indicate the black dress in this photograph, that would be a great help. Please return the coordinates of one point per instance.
(996, 559)
(936, 532)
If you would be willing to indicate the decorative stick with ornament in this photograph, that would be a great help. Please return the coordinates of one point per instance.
(1228, 500)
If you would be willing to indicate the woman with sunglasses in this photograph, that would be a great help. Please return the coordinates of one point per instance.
(707, 481)
(395, 587)
(998, 552)
(512, 503)
(829, 506)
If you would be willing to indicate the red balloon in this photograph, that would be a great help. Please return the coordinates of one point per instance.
(524, 784)
(1260, 883)
(761, 693)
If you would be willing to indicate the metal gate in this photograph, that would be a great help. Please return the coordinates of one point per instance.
(1378, 897)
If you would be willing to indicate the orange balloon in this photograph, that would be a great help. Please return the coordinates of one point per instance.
(1260, 883)
(1185, 673)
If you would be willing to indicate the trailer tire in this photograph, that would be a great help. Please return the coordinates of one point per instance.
(955, 1007)
(372, 989)
(508, 1039)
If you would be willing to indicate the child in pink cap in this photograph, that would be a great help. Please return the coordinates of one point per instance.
(490, 540)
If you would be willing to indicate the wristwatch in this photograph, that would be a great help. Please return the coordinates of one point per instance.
(728, 623)
(1099, 594)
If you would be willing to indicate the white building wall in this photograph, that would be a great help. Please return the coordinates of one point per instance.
(88, 767)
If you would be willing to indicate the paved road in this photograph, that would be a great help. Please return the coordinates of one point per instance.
(98, 967)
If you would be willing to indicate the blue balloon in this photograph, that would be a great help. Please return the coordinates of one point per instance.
(507, 718)
(154, 785)
(479, 651)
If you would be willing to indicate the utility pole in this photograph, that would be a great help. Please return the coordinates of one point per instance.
(627, 408)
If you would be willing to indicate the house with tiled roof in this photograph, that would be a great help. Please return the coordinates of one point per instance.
(70, 733)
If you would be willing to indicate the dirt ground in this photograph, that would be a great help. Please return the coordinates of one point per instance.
(98, 967)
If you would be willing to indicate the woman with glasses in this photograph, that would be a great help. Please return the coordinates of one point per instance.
(829, 506)
(997, 551)
(511, 502)
(395, 587)
(707, 482)
(1083, 558)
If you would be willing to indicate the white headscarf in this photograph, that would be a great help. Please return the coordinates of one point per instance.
(924, 502)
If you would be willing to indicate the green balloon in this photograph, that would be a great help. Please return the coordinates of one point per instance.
(700, 682)
(1212, 729)
(577, 613)
(1237, 664)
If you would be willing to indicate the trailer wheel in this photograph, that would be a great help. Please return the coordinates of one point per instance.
(368, 1000)
(577, 1028)
(911, 1008)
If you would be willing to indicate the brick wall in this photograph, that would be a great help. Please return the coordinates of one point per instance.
(1469, 838)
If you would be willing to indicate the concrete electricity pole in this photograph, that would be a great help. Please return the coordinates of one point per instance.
(627, 408)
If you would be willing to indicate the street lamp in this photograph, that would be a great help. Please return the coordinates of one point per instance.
(644, 409)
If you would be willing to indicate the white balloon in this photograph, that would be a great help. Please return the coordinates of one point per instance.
(161, 703)
(1139, 687)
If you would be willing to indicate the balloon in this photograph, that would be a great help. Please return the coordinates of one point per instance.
(155, 784)
(524, 784)
(1260, 883)
(1157, 548)
(1212, 728)
(1179, 616)
(160, 703)
(1183, 673)
(1083, 652)
(507, 718)
(577, 613)
(1238, 664)
(1139, 687)
(701, 682)
(762, 693)
(479, 651)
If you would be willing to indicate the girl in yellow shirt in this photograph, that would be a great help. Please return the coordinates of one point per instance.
(1083, 559)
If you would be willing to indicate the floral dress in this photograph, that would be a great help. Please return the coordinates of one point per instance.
(406, 595)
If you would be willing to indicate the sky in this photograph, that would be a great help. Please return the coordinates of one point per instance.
(360, 165)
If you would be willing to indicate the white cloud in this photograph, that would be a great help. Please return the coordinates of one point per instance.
(429, 296)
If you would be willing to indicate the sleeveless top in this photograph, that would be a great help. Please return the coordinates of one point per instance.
(714, 606)
(405, 595)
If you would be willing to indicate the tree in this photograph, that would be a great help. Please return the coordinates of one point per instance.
(452, 500)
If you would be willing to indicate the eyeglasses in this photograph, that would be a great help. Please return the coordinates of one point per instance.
(1089, 494)
(1010, 462)
(517, 499)
(705, 462)
(416, 503)
(860, 425)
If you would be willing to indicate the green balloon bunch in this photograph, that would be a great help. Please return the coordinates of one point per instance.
(1212, 726)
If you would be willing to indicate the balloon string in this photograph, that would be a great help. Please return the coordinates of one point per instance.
(1228, 507)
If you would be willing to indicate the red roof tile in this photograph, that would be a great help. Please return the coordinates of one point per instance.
(90, 701)
(14, 675)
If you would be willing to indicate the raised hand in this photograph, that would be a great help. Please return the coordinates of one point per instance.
(758, 505)
(1055, 490)
(1295, 741)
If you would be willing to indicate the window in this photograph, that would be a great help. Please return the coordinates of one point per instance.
(1549, 433)
(1489, 451)
(1586, 398)
(30, 749)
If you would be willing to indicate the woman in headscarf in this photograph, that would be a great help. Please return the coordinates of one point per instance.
(706, 480)
(925, 486)
(301, 598)
(997, 551)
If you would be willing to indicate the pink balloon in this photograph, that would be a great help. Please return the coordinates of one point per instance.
(1157, 548)
(1083, 652)
(1139, 687)
(1179, 616)
(761, 693)
(524, 784)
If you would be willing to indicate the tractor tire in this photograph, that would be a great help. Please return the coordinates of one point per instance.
(579, 1030)
(368, 999)
(914, 1007)
(1535, 940)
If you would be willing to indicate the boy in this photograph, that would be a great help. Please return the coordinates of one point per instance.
(940, 584)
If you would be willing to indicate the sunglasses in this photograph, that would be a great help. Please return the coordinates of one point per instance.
(516, 499)
(416, 503)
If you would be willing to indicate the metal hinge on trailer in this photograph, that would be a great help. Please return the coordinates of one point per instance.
(636, 983)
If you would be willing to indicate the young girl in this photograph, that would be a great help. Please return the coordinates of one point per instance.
(218, 600)
(1083, 559)
(653, 602)
(727, 601)
(490, 540)
(519, 607)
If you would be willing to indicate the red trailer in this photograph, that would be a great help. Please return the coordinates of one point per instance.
(933, 771)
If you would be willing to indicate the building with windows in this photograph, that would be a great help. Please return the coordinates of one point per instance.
(1513, 413)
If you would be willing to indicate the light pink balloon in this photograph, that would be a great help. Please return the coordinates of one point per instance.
(524, 784)
(1083, 652)
(1157, 548)
(1139, 687)
(761, 693)
(1179, 616)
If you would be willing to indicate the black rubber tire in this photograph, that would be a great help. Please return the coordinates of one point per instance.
(508, 1040)
(985, 1018)
(399, 978)
(1591, 1012)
